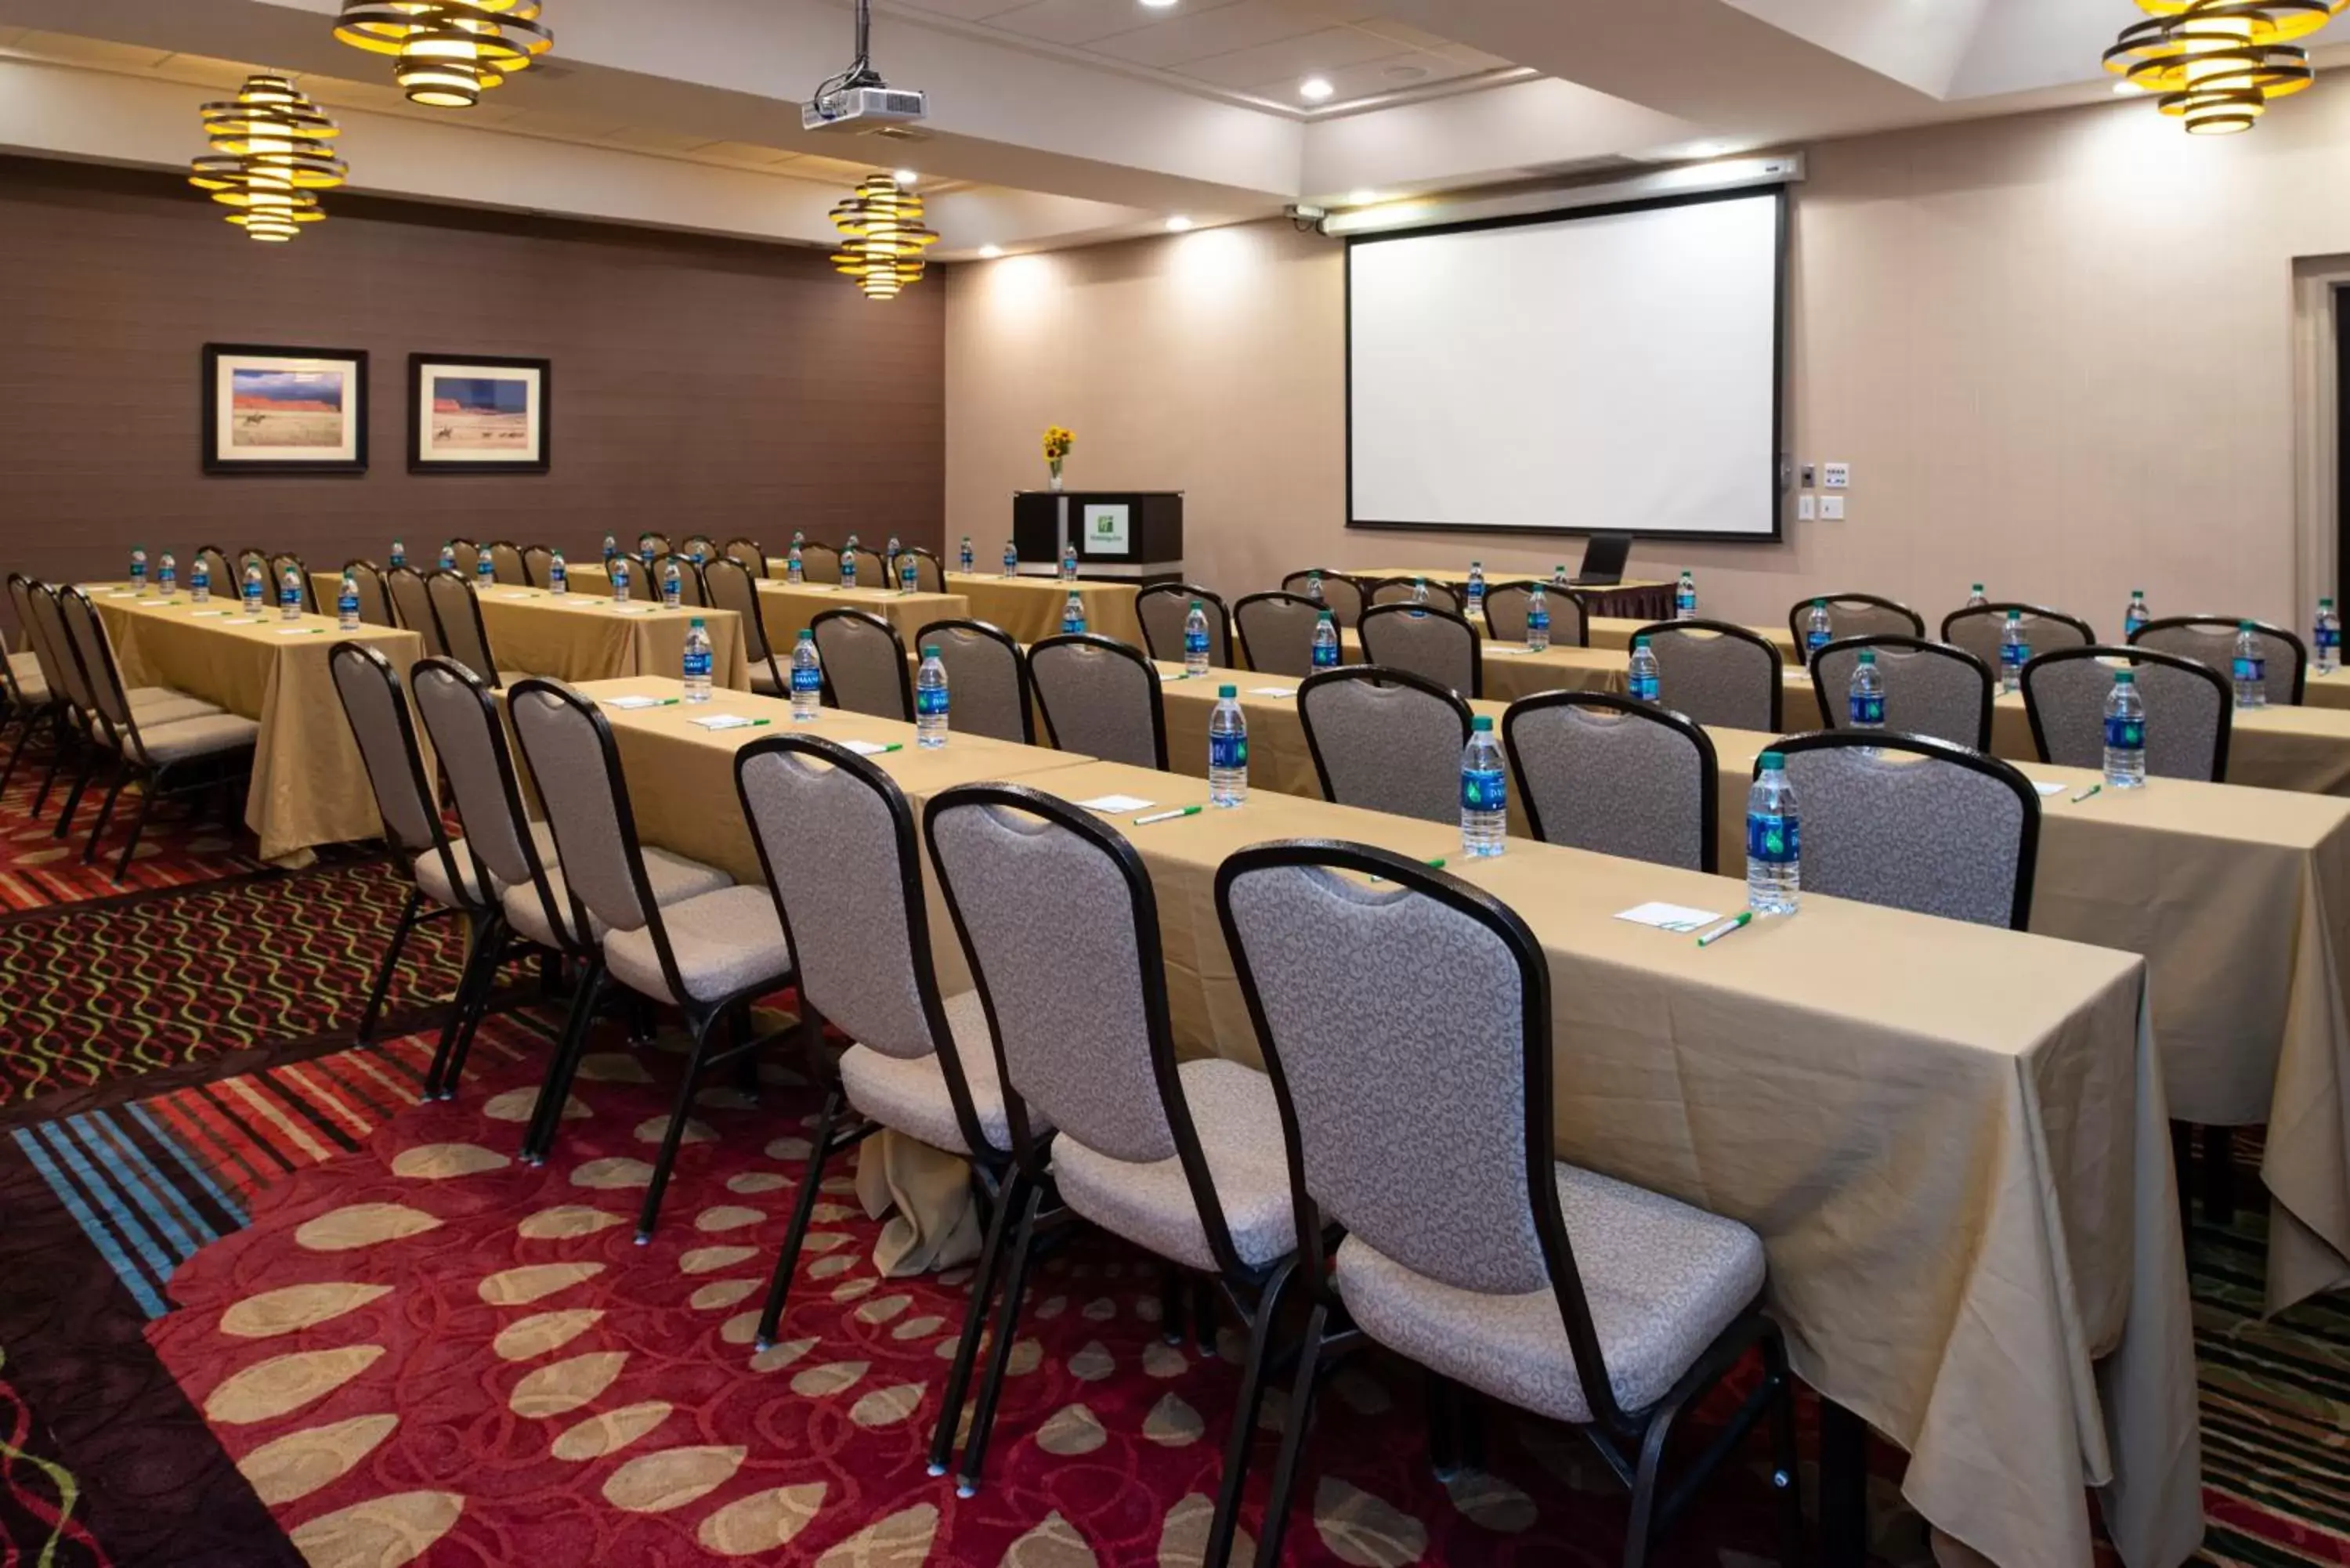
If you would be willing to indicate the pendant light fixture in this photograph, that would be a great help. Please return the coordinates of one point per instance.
(883, 236)
(270, 158)
(448, 53)
(2216, 64)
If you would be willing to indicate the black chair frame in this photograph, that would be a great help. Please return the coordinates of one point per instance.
(1124, 650)
(867, 618)
(1303, 577)
(1209, 600)
(1271, 595)
(2135, 656)
(1442, 595)
(2267, 628)
(1802, 608)
(758, 561)
(31, 716)
(1709, 760)
(1019, 663)
(1912, 645)
(1998, 612)
(278, 566)
(474, 608)
(1378, 675)
(1778, 660)
(692, 592)
(1476, 643)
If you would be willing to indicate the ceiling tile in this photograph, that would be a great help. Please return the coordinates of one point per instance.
(1198, 35)
(1400, 32)
(93, 51)
(1276, 65)
(1374, 76)
(962, 10)
(1073, 21)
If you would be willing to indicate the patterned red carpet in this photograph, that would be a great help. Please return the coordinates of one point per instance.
(39, 869)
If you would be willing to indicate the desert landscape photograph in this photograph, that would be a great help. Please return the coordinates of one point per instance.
(479, 413)
(278, 408)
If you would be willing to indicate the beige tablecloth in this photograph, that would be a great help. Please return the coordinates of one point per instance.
(1030, 607)
(309, 785)
(2305, 748)
(1512, 671)
(578, 637)
(787, 609)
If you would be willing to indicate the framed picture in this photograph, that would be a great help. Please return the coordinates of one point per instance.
(285, 410)
(478, 415)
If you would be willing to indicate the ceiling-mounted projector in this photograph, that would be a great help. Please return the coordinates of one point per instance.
(857, 97)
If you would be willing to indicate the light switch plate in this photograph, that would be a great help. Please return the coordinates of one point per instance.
(1807, 508)
(1839, 476)
(1832, 508)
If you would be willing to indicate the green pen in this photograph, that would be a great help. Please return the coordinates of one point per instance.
(1167, 815)
(2092, 789)
(1437, 864)
(892, 746)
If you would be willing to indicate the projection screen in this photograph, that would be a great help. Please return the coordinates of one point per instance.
(1616, 368)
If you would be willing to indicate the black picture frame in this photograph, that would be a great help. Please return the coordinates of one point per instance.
(218, 445)
(537, 374)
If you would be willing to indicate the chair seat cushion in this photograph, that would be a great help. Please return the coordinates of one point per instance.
(723, 941)
(1239, 1122)
(1663, 1281)
(33, 688)
(674, 879)
(161, 706)
(183, 740)
(764, 684)
(911, 1095)
(433, 877)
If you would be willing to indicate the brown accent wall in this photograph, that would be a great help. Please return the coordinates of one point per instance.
(700, 384)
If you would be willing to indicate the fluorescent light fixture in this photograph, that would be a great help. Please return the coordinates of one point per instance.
(1709, 149)
(1361, 198)
(989, 252)
(1159, 5)
(905, 177)
(1178, 224)
(1313, 89)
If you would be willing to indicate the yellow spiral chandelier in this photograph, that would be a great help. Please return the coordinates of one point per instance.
(883, 236)
(269, 159)
(2216, 64)
(448, 52)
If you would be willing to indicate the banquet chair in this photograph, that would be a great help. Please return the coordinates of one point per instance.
(1469, 1246)
(1100, 698)
(457, 615)
(729, 584)
(224, 576)
(2191, 705)
(2210, 640)
(278, 566)
(1598, 771)
(819, 562)
(987, 677)
(411, 605)
(467, 557)
(539, 565)
(1386, 740)
(872, 571)
(1060, 923)
(1344, 596)
(1717, 673)
(32, 703)
(1164, 608)
(1913, 823)
(1399, 591)
(691, 591)
(63, 716)
(81, 727)
(865, 669)
(1276, 631)
(1430, 642)
(652, 546)
(506, 563)
(837, 845)
(375, 594)
(249, 556)
(749, 552)
(1856, 614)
(1979, 629)
(930, 572)
(698, 548)
(181, 755)
(1931, 688)
(710, 955)
(1505, 613)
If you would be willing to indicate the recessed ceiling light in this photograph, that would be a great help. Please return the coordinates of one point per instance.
(989, 252)
(1313, 89)
(1709, 149)
(1159, 5)
(1178, 224)
(1361, 198)
(905, 177)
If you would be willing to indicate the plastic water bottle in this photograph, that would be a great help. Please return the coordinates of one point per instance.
(848, 563)
(967, 557)
(1325, 642)
(1537, 620)
(2251, 667)
(486, 571)
(646, 552)
(891, 553)
(793, 570)
(2136, 616)
(2328, 638)
(620, 570)
(1484, 791)
(807, 678)
(672, 585)
(2014, 652)
(1227, 750)
(1685, 598)
(253, 589)
(289, 595)
(611, 551)
(1558, 577)
(1011, 559)
(1640, 678)
(346, 604)
(1865, 696)
(909, 577)
(700, 557)
(138, 567)
(1774, 835)
(1313, 586)
(798, 537)
(1476, 589)
(1195, 641)
(931, 700)
(1418, 597)
(697, 661)
(1069, 562)
(200, 582)
(167, 578)
(2124, 733)
(1818, 630)
(1073, 615)
(1975, 599)
(448, 557)
(558, 575)
(399, 554)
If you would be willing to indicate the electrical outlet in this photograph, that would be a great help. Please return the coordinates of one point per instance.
(1832, 508)
(1806, 507)
(1811, 476)
(1839, 476)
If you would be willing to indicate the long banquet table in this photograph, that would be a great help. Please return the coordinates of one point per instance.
(1964, 1189)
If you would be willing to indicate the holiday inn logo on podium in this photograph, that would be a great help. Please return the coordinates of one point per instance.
(1107, 530)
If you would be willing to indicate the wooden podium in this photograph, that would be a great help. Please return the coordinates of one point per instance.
(1124, 535)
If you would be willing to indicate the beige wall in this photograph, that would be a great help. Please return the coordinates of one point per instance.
(2055, 349)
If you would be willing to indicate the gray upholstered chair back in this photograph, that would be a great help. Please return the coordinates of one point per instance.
(698, 548)
(1430, 643)
(506, 563)
(985, 680)
(1099, 701)
(1391, 745)
(1276, 632)
(688, 579)
(586, 800)
(468, 557)
(1164, 608)
(830, 843)
(1341, 595)
(458, 613)
(1617, 780)
(864, 664)
(54, 657)
(819, 563)
(1930, 688)
(1889, 826)
(1856, 615)
(1979, 630)
(225, 580)
(1049, 923)
(369, 690)
(2211, 641)
(1716, 676)
(748, 551)
(538, 565)
(872, 571)
(929, 574)
(731, 586)
(411, 605)
(471, 744)
(1412, 1118)
(1398, 591)
(306, 593)
(649, 542)
(1505, 613)
(2189, 715)
(96, 684)
(375, 596)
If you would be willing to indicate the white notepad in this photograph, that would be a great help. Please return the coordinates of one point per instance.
(726, 722)
(633, 701)
(1272, 690)
(1668, 917)
(866, 748)
(1118, 803)
(634, 609)
(2050, 788)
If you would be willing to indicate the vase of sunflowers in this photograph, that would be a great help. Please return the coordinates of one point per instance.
(1057, 442)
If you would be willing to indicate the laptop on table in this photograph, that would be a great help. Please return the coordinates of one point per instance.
(1604, 555)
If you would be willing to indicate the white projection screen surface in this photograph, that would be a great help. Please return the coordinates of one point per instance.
(1614, 371)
